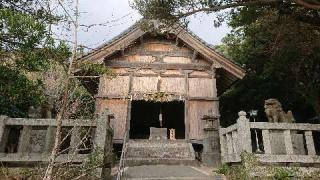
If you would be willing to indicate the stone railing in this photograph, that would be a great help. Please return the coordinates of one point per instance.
(28, 140)
(277, 142)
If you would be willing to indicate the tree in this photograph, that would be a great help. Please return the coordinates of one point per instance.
(281, 56)
(177, 10)
(26, 45)
(277, 42)
(30, 55)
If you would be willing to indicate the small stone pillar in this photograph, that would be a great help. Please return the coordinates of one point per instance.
(211, 155)
(103, 143)
(244, 133)
(4, 133)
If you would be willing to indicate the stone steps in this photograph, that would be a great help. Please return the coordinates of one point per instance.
(146, 152)
(168, 172)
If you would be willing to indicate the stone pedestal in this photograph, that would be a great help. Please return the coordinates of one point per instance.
(211, 155)
(158, 133)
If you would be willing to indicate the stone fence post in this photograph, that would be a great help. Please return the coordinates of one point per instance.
(244, 133)
(3, 134)
(211, 155)
(103, 142)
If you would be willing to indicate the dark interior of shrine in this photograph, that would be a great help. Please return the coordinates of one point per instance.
(145, 114)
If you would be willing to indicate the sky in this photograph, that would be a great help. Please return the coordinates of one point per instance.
(117, 15)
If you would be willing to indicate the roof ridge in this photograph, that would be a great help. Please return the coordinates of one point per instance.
(123, 33)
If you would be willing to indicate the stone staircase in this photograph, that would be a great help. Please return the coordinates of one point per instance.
(169, 172)
(155, 152)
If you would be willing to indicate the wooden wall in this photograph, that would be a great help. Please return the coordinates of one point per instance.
(159, 65)
(119, 108)
(196, 110)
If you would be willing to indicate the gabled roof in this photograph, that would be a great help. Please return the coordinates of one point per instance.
(228, 69)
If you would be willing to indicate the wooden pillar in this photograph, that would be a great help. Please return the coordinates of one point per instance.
(310, 143)
(266, 141)
(186, 104)
(214, 83)
(129, 101)
(288, 141)
(24, 140)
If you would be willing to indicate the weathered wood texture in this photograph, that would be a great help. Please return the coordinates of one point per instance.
(201, 87)
(172, 85)
(119, 108)
(159, 65)
(115, 86)
(144, 84)
(196, 110)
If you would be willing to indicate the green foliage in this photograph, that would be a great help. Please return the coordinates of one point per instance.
(224, 169)
(281, 56)
(276, 42)
(26, 50)
(81, 103)
(17, 93)
(90, 69)
(282, 174)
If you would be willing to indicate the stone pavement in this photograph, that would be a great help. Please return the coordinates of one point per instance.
(176, 172)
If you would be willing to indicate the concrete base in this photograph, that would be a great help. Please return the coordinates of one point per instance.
(142, 152)
(158, 133)
(211, 159)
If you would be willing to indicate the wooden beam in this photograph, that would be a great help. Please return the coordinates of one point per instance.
(204, 98)
(201, 76)
(143, 52)
(194, 56)
(127, 64)
(210, 54)
(177, 41)
(122, 52)
(141, 39)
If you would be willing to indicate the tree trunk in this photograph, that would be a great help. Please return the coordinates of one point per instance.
(55, 150)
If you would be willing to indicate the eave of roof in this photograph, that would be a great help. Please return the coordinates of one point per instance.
(125, 38)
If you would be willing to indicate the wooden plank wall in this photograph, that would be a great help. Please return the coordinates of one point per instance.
(119, 108)
(198, 87)
(115, 86)
(196, 110)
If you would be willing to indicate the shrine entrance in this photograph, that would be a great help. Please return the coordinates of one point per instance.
(145, 114)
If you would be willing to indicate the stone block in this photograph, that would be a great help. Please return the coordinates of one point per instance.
(298, 144)
(158, 133)
(277, 142)
(37, 140)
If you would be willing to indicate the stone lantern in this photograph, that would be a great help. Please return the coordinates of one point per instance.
(211, 155)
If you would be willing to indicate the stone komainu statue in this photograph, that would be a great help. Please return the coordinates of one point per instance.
(275, 113)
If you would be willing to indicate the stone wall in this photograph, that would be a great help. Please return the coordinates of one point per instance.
(281, 142)
(80, 137)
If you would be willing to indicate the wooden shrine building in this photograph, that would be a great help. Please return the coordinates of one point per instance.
(168, 76)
